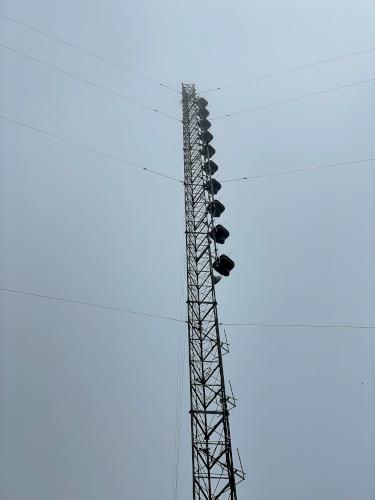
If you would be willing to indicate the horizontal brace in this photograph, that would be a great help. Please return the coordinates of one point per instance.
(201, 302)
(196, 232)
(209, 412)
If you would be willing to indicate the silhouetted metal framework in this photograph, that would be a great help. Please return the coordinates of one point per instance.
(214, 474)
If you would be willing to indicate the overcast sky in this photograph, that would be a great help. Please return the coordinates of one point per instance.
(88, 396)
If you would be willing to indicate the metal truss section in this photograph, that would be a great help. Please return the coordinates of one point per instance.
(214, 474)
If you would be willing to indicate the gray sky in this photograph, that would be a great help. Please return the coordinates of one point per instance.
(88, 396)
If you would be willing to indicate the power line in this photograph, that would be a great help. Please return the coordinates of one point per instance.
(89, 148)
(145, 169)
(301, 325)
(289, 70)
(89, 304)
(292, 99)
(167, 318)
(88, 82)
(283, 172)
(89, 53)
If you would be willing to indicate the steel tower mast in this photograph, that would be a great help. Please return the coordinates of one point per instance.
(214, 474)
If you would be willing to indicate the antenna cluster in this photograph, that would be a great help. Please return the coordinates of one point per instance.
(222, 264)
